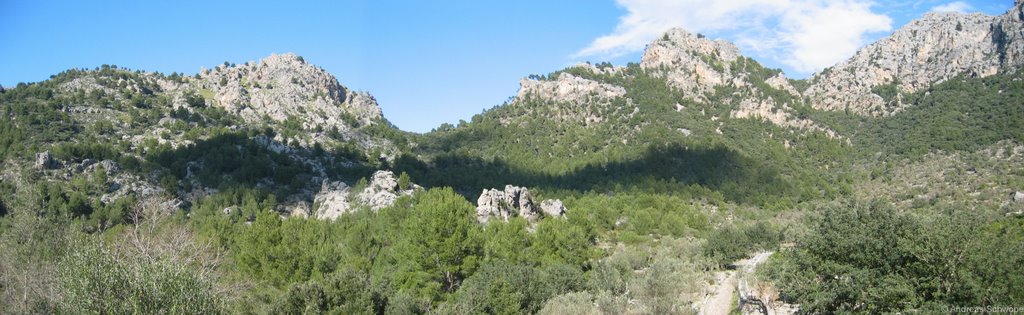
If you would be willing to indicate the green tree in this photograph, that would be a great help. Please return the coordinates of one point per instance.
(438, 248)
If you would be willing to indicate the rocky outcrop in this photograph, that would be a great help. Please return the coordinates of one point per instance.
(933, 49)
(692, 63)
(581, 100)
(332, 200)
(382, 190)
(335, 198)
(45, 161)
(514, 201)
(553, 208)
(1017, 196)
(696, 66)
(568, 88)
(284, 86)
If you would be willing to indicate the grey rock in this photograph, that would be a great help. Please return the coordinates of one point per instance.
(110, 166)
(697, 66)
(514, 201)
(298, 209)
(1017, 196)
(45, 161)
(283, 86)
(585, 100)
(382, 191)
(332, 200)
(568, 88)
(553, 207)
(926, 51)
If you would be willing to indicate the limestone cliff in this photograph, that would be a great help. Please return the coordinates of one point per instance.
(933, 49)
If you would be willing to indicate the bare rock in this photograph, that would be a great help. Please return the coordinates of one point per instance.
(332, 200)
(284, 86)
(692, 63)
(1017, 196)
(515, 201)
(298, 209)
(382, 191)
(926, 51)
(45, 161)
(697, 66)
(568, 88)
(552, 207)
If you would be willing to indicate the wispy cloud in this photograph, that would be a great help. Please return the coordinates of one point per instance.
(806, 35)
(958, 6)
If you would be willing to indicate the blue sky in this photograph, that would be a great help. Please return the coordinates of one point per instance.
(430, 62)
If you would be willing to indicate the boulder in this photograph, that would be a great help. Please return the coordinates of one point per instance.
(1017, 196)
(382, 191)
(553, 208)
(45, 161)
(332, 200)
(514, 201)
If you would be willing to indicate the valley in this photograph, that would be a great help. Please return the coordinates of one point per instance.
(892, 182)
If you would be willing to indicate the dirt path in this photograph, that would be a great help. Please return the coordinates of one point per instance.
(721, 300)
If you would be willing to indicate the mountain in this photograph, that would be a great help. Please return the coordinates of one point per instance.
(283, 86)
(926, 51)
(894, 181)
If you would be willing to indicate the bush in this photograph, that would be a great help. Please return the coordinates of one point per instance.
(94, 280)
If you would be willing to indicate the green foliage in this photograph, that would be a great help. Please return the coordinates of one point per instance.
(438, 249)
(404, 183)
(282, 252)
(96, 281)
(345, 291)
(502, 288)
(871, 258)
(727, 244)
(958, 114)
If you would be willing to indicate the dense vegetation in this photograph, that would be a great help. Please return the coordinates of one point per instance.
(654, 212)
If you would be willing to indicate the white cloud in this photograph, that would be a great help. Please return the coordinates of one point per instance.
(959, 6)
(806, 35)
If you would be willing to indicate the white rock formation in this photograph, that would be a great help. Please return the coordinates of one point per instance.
(691, 63)
(332, 200)
(696, 66)
(283, 86)
(568, 88)
(382, 191)
(512, 202)
(932, 49)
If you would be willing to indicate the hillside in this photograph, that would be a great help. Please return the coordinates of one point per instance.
(890, 182)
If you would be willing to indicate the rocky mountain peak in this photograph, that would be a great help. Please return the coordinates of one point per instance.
(566, 87)
(692, 63)
(284, 86)
(926, 51)
(678, 44)
(696, 65)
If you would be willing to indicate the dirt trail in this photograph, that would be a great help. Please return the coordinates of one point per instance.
(721, 300)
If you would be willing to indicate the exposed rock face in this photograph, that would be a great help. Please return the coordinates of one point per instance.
(514, 201)
(1017, 196)
(553, 208)
(696, 66)
(583, 100)
(935, 48)
(568, 88)
(332, 200)
(45, 161)
(283, 86)
(382, 191)
(692, 63)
